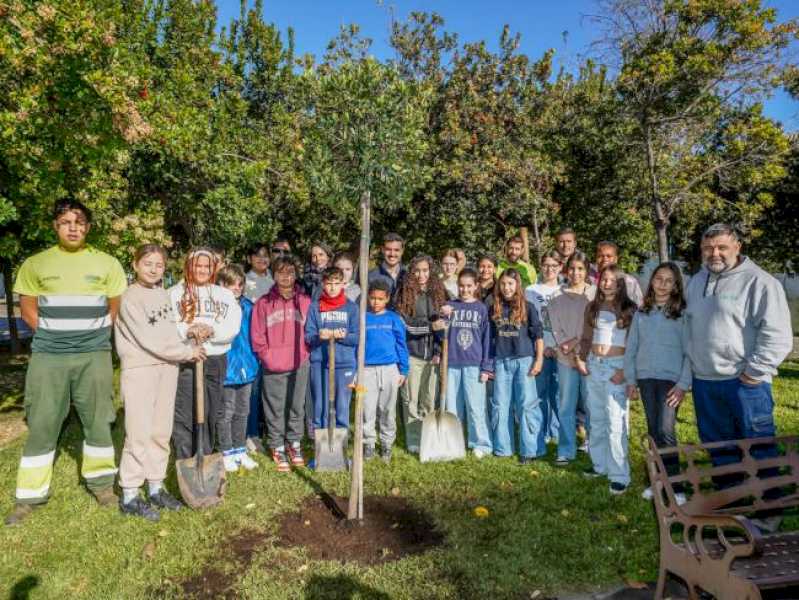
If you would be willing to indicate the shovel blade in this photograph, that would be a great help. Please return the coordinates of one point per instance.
(328, 459)
(442, 438)
(202, 481)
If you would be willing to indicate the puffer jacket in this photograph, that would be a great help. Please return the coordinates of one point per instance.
(242, 364)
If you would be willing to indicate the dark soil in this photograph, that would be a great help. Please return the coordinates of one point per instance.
(391, 529)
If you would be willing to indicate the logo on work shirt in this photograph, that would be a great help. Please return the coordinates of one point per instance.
(93, 278)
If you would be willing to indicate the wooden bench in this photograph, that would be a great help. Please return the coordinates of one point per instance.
(709, 542)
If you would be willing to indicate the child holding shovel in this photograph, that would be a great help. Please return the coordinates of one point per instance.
(334, 317)
(385, 372)
(470, 363)
(149, 350)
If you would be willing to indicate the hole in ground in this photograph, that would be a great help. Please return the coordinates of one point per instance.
(391, 529)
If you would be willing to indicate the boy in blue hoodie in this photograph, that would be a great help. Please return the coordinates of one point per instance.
(332, 316)
(242, 369)
(386, 369)
(470, 362)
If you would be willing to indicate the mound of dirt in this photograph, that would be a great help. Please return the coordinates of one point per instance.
(391, 529)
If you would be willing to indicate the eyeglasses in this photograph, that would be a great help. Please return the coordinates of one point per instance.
(280, 251)
(550, 266)
(79, 224)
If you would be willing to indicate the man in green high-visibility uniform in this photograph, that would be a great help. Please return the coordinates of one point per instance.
(69, 295)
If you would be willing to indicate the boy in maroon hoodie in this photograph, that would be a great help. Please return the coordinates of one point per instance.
(277, 335)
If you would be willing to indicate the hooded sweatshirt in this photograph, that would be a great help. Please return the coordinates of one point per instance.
(218, 308)
(345, 317)
(145, 333)
(469, 336)
(277, 331)
(737, 322)
(242, 364)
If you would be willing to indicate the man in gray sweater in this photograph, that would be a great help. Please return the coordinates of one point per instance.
(738, 333)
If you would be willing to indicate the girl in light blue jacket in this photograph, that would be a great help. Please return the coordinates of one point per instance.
(656, 363)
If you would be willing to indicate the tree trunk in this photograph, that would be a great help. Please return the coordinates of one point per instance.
(539, 250)
(355, 508)
(8, 283)
(658, 210)
(525, 235)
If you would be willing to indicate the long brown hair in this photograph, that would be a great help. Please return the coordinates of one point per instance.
(410, 288)
(517, 304)
(676, 302)
(189, 302)
(622, 305)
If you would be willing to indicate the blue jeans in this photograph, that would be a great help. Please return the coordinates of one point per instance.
(610, 419)
(466, 397)
(547, 385)
(321, 402)
(732, 410)
(572, 387)
(515, 400)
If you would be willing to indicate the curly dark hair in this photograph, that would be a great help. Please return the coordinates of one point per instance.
(410, 288)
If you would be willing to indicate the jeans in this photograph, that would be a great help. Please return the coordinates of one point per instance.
(321, 402)
(466, 398)
(546, 382)
(515, 400)
(660, 418)
(236, 409)
(571, 386)
(610, 419)
(732, 410)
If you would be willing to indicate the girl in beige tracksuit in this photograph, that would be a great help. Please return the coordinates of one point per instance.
(149, 349)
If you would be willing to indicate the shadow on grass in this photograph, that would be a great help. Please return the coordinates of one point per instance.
(339, 587)
(23, 587)
(323, 494)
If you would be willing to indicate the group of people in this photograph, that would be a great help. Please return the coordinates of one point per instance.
(531, 359)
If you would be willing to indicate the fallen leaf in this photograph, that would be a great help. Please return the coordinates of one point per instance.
(481, 512)
(163, 533)
(148, 551)
(250, 506)
(636, 585)
(535, 474)
(302, 568)
(622, 518)
(394, 526)
(395, 491)
(535, 594)
(564, 513)
(307, 523)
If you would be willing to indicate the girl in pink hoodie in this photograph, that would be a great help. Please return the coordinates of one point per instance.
(277, 333)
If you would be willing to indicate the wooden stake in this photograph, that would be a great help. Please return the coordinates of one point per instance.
(355, 508)
(523, 233)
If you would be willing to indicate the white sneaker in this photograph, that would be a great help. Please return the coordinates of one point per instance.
(479, 453)
(231, 462)
(247, 462)
(681, 498)
(648, 494)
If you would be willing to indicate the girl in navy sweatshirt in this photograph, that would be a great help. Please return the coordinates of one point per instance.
(516, 334)
(469, 361)
(332, 316)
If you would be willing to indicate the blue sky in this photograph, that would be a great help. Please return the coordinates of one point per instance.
(541, 23)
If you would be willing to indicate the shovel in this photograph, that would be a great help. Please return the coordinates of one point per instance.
(330, 443)
(442, 432)
(201, 478)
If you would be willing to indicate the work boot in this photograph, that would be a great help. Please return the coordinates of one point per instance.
(105, 496)
(20, 513)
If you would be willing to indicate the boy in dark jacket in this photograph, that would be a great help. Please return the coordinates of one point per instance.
(335, 317)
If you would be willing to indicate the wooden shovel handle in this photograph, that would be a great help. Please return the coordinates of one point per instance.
(331, 384)
(199, 391)
(443, 369)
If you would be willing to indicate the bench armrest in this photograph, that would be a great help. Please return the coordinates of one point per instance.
(695, 541)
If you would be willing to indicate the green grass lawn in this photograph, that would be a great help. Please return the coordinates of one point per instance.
(548, 529)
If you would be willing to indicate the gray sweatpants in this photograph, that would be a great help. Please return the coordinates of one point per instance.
(380, 404)
(283, 395)
(232, 430)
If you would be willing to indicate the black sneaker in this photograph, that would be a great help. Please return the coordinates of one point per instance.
(385, 454)
(527, 460)
(591, 474)
(164, 499)
(617, 488)
(138, 507)
(368, 452)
